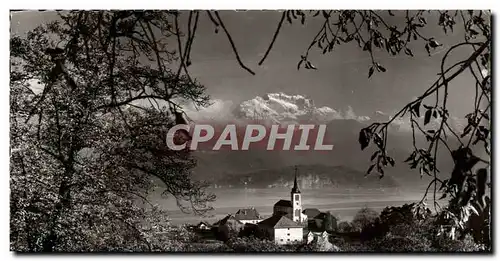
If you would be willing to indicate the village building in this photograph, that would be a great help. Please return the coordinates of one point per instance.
(322, 242)
(321, 223)
(203, 226)
(314, 236)
(291, 208)
(248, 216)
(286, 225)
(281, 230)
(231, 221)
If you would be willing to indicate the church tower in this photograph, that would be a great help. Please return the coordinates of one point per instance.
(296, 200)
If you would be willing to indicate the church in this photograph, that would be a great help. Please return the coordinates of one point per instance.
(292, 208)
(286, 224)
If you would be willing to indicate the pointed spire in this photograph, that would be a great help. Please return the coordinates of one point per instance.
(295, 188)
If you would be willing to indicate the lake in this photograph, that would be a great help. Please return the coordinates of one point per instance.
(343, 203)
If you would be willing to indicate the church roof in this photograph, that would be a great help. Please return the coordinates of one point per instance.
(247, 214)
(311, 212)
(279, 222)
(284, 203)
(295, 188)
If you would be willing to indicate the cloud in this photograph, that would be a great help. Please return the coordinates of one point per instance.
(218, 110)
(272, 107)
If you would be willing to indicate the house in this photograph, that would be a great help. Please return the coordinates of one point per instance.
(292, 208)
(229, 220)
(248, 215)
(319, 223)
(281, 230)
(203, 226)
(322, 242)
(313, 236)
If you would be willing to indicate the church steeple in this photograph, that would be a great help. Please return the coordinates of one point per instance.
(295, 188)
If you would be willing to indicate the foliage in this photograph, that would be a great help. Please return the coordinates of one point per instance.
(401, 244)
(252, 244)
(87, 148)
(363, 218)
(345, 227)
(223, 233)
(398, 230)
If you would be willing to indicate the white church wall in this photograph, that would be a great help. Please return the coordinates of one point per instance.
(288, 235)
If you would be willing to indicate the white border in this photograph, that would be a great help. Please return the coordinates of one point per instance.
(210, 4)
(254, 4)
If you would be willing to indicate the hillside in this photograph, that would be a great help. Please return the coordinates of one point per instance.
(310, 177)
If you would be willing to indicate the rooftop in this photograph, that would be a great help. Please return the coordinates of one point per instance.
(284, 203)
(279, 222)
(247, 214)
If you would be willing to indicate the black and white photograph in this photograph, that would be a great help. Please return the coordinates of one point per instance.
(251, 131)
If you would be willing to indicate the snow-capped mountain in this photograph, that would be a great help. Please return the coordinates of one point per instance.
(283, 108)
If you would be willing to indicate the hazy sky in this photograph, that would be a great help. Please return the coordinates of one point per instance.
(341, 80)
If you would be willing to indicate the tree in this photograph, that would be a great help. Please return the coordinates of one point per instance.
(364, 218)
(87, 148)
(345, 227)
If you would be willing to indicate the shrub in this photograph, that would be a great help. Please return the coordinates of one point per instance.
(252, 244)
(399, 244)
(466, 244)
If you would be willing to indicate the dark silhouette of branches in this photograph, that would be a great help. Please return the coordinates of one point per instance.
(232, 44)
(274, 38)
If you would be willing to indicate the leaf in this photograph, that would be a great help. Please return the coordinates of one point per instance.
(309, 65)
(299, 64)
(408, 52)
(467, 129)
(370, 169)
(370, 72)
(374, 154)
(411, 157)
(380, 67)
(365, 136)
(434, 44)
(391, 161)
(427, 117)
